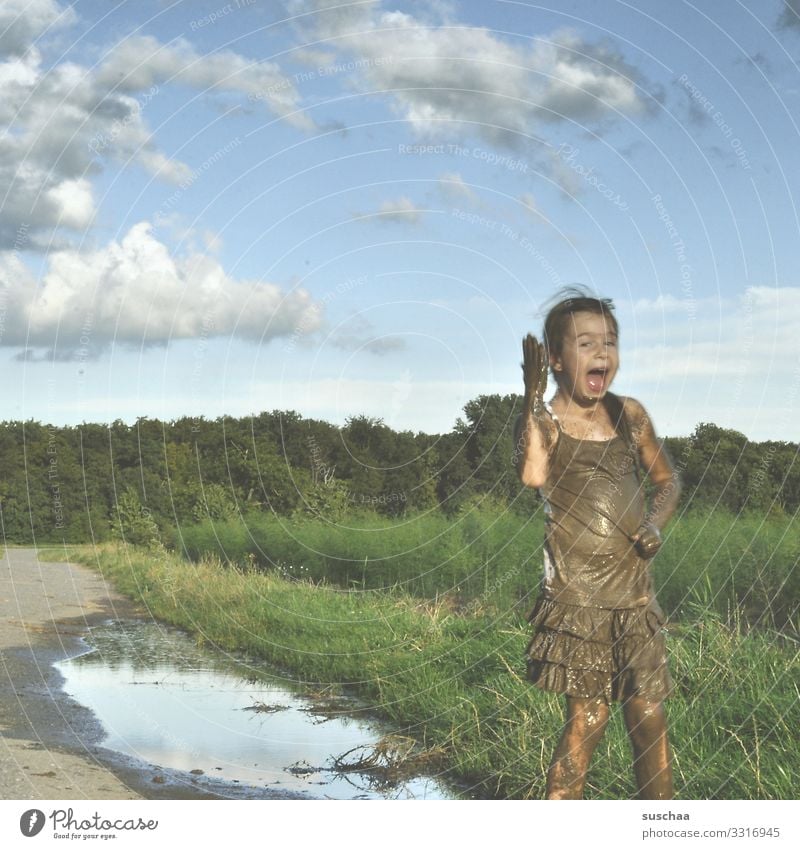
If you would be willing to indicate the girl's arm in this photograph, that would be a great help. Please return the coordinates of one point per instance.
(656, 463)
(534, 432)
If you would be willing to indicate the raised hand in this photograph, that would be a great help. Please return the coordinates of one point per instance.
(534, 373)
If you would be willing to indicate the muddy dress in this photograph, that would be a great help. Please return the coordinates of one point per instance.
(597, 628)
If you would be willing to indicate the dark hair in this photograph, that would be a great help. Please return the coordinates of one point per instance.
(572, 300)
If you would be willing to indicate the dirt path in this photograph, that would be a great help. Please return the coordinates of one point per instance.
(46, 739)
(50, 746)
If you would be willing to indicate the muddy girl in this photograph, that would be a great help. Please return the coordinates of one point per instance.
(598, 633)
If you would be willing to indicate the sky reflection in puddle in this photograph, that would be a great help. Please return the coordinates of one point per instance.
(166, 701)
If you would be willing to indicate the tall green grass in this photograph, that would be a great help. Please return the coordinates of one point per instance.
(453, 679)
(490, 558)
(745, 564)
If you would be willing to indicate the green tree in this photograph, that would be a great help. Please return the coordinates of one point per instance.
(715, 473)
(133, 522)
(215, 502)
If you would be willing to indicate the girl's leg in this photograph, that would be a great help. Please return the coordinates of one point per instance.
(583, 730)
(647, 728)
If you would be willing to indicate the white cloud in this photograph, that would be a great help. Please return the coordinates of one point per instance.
(331, 18)
(141, 62)
(46, 155)
(396, 209)
(73, 199)
(135, 292)
(452, 184)
(65, 123)
(22, 21)
(465, 79)
(773, 298)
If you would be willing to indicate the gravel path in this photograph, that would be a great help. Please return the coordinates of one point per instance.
(47, 740)
(49, 744)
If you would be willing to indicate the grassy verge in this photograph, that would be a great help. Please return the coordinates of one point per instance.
(453, 679)
(62, 553)
(490, 556)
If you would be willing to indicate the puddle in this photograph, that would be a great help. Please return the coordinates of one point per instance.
(162, 699)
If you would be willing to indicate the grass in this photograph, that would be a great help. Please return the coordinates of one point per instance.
(489, 557)
(61, 553)
(450, 675)
(423, 556)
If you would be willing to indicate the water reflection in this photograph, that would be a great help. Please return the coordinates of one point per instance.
(166, 701)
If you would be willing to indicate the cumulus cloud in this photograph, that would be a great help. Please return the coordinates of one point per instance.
(135, 292)
(66, 122)
(457, 79)
(332, 18)
(23, 21)
(44, 157)
(140, 62)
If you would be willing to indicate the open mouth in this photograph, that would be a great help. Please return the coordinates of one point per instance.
(596, 379)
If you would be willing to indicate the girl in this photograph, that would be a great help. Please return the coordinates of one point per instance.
(597, 628)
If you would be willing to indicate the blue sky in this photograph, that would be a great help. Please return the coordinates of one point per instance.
(219, 208)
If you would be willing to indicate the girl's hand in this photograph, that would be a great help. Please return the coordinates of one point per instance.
(647, 540)
(534, 373)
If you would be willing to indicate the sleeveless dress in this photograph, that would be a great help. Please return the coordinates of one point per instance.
(597, 627)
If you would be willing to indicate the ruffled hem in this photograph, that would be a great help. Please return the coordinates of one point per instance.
(592, 652)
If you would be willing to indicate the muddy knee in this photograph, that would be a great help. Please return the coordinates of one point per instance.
(588, 719)
(586, 722)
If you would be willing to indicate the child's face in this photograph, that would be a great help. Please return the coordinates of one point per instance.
(589, 358)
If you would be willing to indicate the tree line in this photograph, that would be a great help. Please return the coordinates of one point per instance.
(94, 481)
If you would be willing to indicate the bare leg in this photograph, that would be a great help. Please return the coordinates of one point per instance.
(583, 730)
(647, 728)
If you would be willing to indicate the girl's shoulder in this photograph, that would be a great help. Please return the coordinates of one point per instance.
(627, 417)
(634, 411)
(626, 401)
(636, 417)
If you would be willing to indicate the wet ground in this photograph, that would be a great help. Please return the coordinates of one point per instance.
(154, 717)
(233, 727)
(48, 742)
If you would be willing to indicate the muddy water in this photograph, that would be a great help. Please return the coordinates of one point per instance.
(163, 700)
